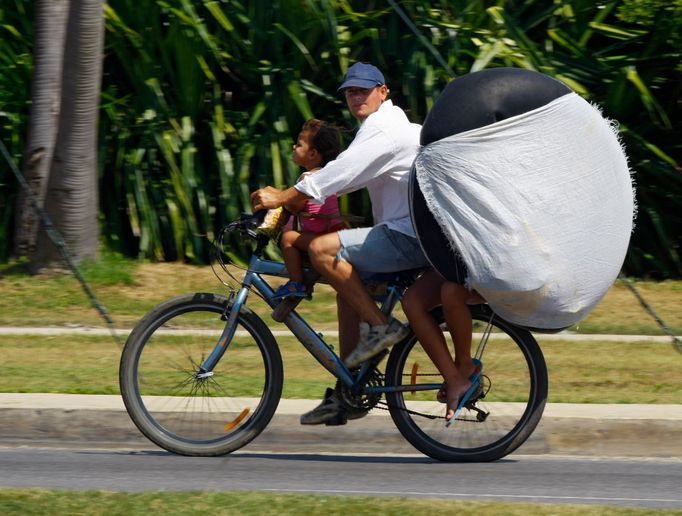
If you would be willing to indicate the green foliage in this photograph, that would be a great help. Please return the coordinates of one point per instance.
(110, 268)
(202, 99)
(15, 79)
(625, 56)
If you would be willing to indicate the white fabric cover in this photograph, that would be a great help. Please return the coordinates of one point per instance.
(540, 206)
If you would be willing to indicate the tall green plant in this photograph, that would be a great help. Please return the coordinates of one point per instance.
(277, 66)
(16, 24)
(202, 99)
(216, 115)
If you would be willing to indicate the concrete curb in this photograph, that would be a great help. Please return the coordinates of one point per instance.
(566, 429)
(296, 407)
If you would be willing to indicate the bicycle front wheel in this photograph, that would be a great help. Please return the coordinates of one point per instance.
(184, 410)
(504, 412)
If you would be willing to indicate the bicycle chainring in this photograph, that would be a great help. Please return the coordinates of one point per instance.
(362, 400)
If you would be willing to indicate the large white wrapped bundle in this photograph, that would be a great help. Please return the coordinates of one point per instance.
(540, 207)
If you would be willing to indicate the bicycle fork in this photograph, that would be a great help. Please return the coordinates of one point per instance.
(232, 309)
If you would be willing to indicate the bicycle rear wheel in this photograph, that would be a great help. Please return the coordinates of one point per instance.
(182, 410)
(513, 395)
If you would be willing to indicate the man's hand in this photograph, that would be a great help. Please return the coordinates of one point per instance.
(266, 198)
(269, 198)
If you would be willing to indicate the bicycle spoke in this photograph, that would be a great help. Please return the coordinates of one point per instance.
(495, 420)
(192, 412)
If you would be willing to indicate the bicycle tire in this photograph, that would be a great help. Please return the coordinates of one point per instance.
(208, 416)
(514, 387)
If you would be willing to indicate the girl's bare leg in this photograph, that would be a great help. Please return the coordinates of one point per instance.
(419, 300)
(455, 299)
(291, 255)
(292, 243)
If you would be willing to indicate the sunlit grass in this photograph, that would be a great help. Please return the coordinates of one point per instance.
(615, 372)
(58, 502)
(594, 372)
(128, 289)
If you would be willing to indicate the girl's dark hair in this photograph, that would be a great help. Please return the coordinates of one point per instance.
(324, 138)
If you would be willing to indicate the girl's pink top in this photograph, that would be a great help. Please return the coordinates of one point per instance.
(325, 224)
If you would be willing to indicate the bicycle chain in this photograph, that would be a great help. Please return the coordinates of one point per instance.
(383, 405)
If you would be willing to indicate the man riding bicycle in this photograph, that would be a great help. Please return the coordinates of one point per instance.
(379, 158)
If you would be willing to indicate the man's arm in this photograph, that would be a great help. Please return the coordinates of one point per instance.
(365, 159)
(269, 197)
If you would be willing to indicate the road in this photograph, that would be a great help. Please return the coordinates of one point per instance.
(621, 455)
(650, 483)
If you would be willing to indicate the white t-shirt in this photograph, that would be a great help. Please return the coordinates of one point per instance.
(379, 158)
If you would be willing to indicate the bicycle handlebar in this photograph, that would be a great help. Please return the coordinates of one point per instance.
(247, 224)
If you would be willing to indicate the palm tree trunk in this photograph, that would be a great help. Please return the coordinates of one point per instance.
(48, 54)
(72, 197)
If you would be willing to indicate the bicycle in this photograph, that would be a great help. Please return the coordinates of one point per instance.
(201, 374)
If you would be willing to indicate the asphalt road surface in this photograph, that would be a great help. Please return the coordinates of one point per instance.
(651, 483)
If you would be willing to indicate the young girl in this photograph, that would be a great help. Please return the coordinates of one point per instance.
(317, 144)
(461, 375)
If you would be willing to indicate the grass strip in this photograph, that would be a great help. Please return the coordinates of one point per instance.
(579, 372)
(128, 289)
(58, 502)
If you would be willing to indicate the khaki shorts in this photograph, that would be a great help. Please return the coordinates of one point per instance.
(380, 249)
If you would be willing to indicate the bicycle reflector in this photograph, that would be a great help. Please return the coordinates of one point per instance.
(413, 376)
(236, 420)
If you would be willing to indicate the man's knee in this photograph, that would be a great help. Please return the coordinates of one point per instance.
(324, 246)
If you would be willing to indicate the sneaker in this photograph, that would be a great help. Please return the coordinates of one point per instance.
(374, 339)
(331, 412)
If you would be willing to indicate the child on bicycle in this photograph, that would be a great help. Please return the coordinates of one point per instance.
(317, 144)
(429, 291)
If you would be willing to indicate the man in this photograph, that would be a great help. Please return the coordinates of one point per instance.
(379, 158)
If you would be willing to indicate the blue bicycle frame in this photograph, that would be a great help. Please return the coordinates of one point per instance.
(310, 339)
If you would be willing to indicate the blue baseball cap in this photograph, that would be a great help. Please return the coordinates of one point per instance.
(362, 75)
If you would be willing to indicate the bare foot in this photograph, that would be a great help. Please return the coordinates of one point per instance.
(456, 388)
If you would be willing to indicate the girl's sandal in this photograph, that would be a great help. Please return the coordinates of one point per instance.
(291, 289)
